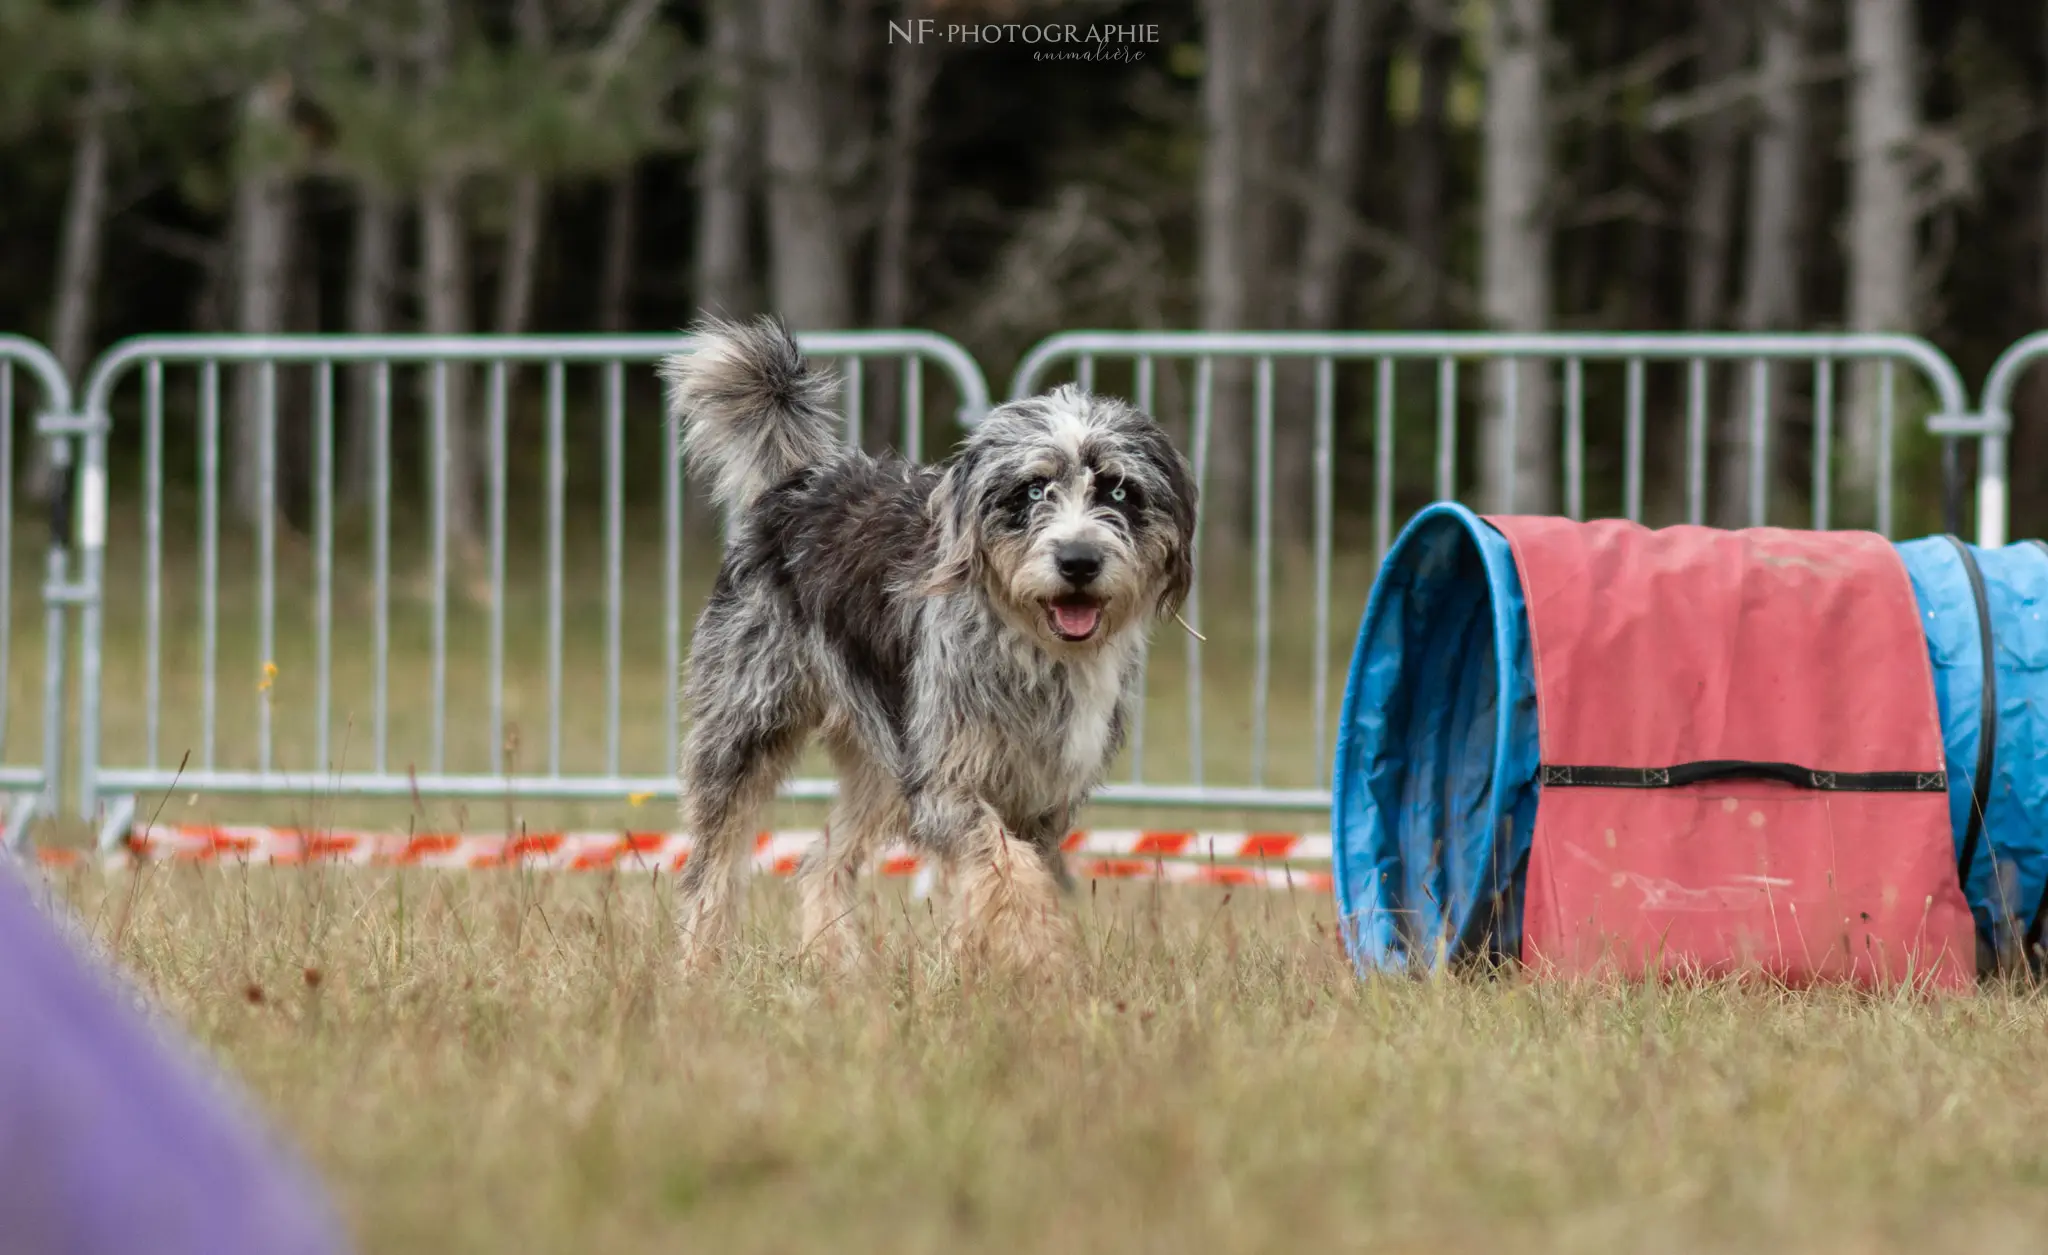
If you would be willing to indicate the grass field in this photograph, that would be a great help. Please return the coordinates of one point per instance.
(511, 1063)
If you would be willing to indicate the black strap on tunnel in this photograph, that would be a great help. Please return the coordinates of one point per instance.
(1987, 716)
(1681, 774)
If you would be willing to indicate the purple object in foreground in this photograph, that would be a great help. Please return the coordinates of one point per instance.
(115, 1136)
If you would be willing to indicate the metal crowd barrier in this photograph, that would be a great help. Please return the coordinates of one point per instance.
(1249, 735)
(30, 784)
(1995, 410)
(108, 789)
(1087, 358)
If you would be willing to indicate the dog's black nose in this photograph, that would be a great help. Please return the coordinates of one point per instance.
(1079, 564)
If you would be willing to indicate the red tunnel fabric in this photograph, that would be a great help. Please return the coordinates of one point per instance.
(1688, 644)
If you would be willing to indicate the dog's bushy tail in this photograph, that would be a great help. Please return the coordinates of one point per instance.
(752, 411)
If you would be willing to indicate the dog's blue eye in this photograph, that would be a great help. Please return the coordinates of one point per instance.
(1117, 493)
(1037, 492)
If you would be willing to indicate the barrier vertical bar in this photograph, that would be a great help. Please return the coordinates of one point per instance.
(1511, 424)
(266, 540)
(557, 485)
(85, 531)
(209, 555)
(1446, 428)
(442, 454)
(614, 552)
(380, 560)
(323, 563)
(1574, 439)
(1886, 383)
(56, 570)
(499, 455)
(856, 401)
(1823, 439)
(1993, 495)
(671, 585)
(1696, 442)
(1262, 558)
(1143, 397)
(152, 556)
(1632, 444)
(1326, 410)
(1205, 387)
(913, 408)
(1759, 442)
(1382, 442)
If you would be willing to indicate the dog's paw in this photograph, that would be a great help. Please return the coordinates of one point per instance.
(705, 932)
(839, 947)
(699, 955)
(1009, 915)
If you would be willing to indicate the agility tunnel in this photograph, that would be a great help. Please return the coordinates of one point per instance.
(1601, 747)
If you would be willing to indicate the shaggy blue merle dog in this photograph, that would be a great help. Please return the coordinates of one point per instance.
(965, 638)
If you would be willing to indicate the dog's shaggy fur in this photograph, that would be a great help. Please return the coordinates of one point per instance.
(965, 637)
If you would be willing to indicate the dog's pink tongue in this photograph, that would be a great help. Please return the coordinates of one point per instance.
(1076, 619)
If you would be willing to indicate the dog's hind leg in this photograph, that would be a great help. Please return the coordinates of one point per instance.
(1046, 834)
(748, 721)
(869, 813)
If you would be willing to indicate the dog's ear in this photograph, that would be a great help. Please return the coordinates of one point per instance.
(1181, 510)
(957, 556)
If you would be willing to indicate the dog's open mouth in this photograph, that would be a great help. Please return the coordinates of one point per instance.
(1074, 618)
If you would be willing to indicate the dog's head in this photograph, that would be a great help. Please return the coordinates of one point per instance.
(1074, 512)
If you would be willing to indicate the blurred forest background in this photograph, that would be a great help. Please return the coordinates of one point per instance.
(580, 165)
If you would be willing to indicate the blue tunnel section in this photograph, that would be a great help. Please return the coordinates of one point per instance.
(1435, 797)
(1434, 804)
(1998, 751)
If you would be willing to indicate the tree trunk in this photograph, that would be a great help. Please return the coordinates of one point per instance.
(2027, 459)
(261, 230)
(911, 70)
(373, 279)
(444, 259)
(724, 169)
(1235, 245)
(1425, 168)
(444, 278)
(85, 207)
(858, 29)
(1770, 295)
(1883, 121)
(78, 256)
(1339, 150)
(1715, 144)
(295, 431)
(808, 251)
(1583, 277)
(615, 286)
(2028, 498)
(522, 255)
(1518, 439)
(526, 214)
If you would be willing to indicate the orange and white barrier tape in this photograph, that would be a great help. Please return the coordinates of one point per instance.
(1258, 859)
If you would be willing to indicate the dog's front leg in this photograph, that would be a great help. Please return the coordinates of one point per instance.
(1006, 899)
